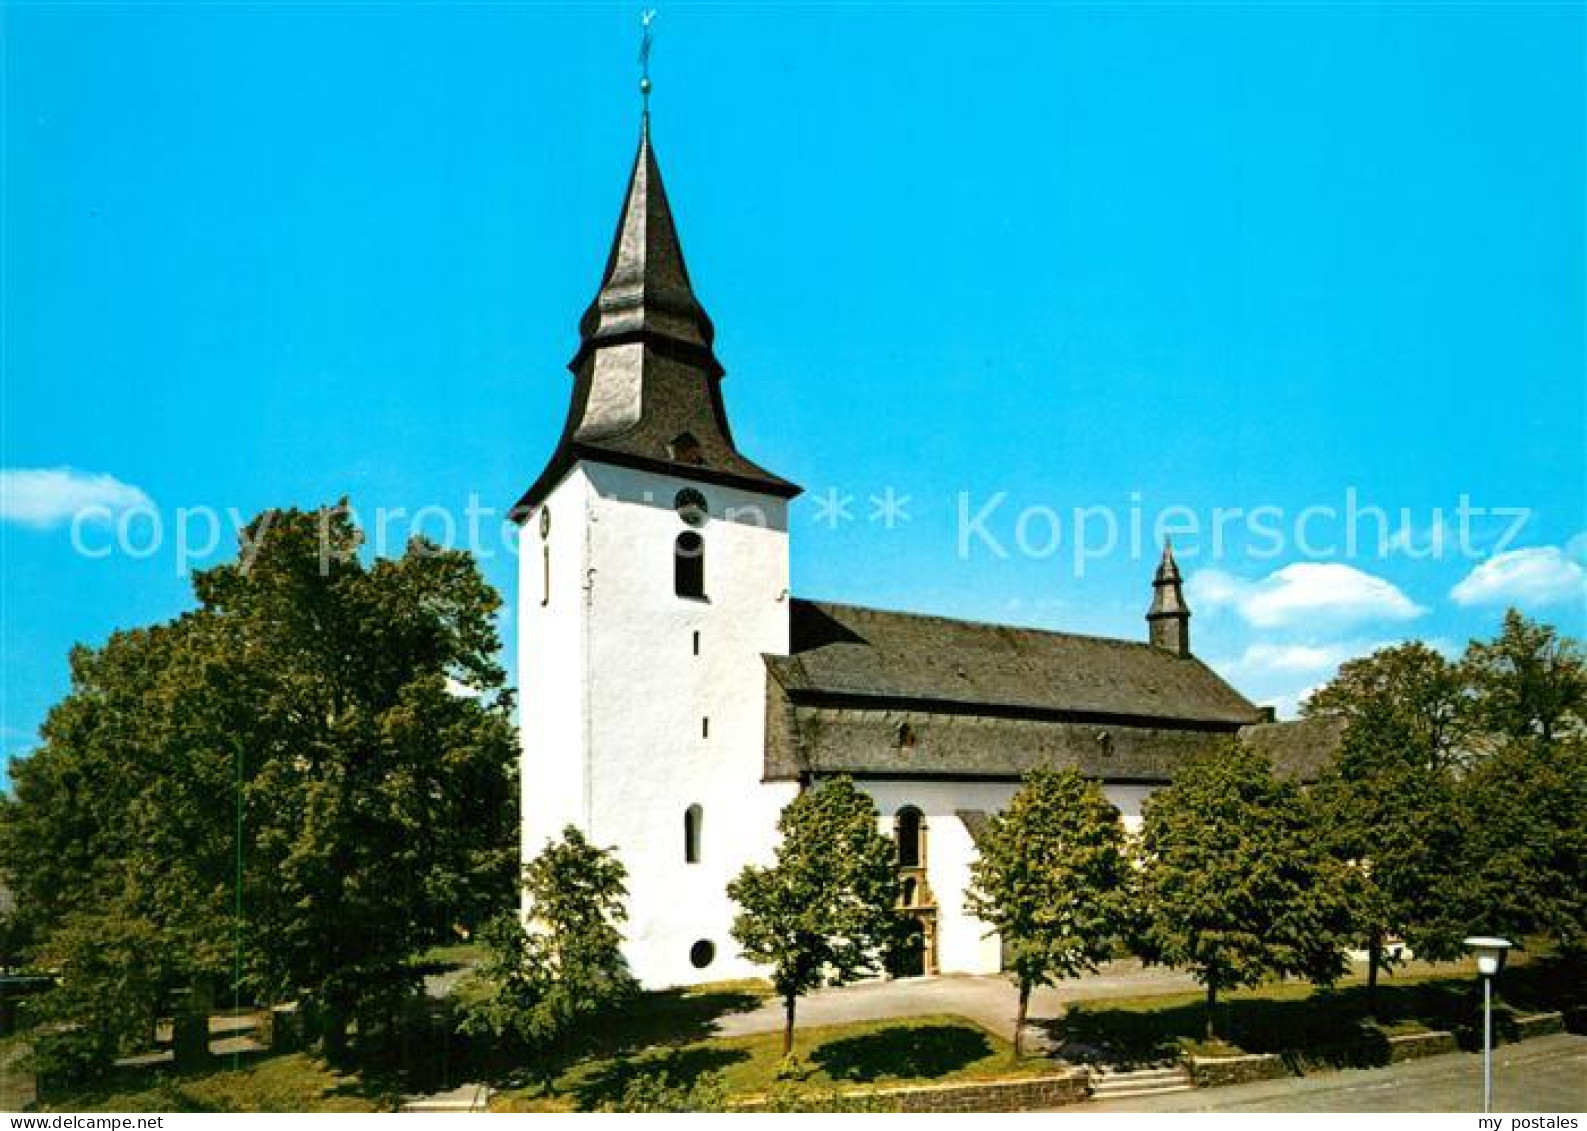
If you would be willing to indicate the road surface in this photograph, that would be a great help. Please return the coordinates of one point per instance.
(1543, 1075)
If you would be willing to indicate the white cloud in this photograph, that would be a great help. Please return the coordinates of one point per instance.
(44, 497)
(1287, 705)
(1212, 588)
(1283, 674)
(1538, 575)
(1294, 657)
(1305, 593)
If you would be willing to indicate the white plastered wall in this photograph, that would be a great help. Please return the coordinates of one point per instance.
(963, 944)
(615, 700)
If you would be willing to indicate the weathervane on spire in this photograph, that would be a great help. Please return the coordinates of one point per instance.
(646, 18)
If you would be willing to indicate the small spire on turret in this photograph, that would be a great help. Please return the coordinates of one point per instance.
(1168, 620)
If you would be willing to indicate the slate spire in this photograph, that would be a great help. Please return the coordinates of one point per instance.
(645, 289)
(647, 384)
(1168, 620)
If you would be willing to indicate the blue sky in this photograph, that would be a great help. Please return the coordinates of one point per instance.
(1030, 259)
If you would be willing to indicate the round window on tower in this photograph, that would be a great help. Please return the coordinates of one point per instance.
(702, 954)
(691, 506)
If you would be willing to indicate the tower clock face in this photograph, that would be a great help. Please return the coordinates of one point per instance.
(545, 522)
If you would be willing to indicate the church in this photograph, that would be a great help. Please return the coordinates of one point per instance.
(675, 694)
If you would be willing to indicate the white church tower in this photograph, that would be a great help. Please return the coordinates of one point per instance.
(653, 576)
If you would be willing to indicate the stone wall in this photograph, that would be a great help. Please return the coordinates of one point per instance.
(1414, 1046)
(1030, 1094)
(997, 1095)
(1215, 1072)
(1219, 1071)
(1538, 1025)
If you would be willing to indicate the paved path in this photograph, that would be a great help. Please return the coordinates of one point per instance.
(989, 1000)
(1545, 1074)
(464, 1097)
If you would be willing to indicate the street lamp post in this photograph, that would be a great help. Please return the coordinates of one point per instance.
(1489, 953)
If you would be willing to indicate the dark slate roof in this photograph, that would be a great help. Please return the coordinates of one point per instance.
(972, 743)
(807, 739)
(975, 823)
(1299, 749)
(646, 300)
(844, 653)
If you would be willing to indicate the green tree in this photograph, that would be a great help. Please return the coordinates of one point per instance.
(1522, 802)
(119, 842)
(825, 910)
(1394, 826)
(1388, 803)
(1528, 682)
(113, 976)
(1526, 841)
(1050, 878)
(1233, 884)
(300, 731)
(1409, 687)
(543, 984)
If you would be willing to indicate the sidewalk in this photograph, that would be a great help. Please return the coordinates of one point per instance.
(1545, 1074)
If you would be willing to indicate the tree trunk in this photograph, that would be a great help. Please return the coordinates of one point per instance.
(788, 1025)
(333, 1033)
(1374, 961)
(1019, 1019)
(1212, 1009)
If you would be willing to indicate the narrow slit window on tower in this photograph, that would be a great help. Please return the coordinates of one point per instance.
(697, 643)
(705, 726)
(693, 818)
(545, 555)
(688, 565)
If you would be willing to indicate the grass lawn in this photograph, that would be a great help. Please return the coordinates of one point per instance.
(451, 956)
(1323, 1026)
(935, 1050)
(671, 1032)
(297, 1082)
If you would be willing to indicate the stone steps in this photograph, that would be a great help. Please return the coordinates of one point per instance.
(1144, 1082)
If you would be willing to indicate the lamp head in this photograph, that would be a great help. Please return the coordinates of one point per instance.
(1489, 952)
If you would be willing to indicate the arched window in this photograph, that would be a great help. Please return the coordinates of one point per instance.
(907, 826)
(911, 892)
(693, 817)
(688, 565)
